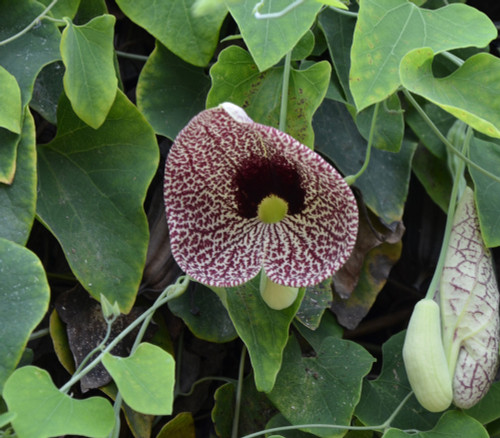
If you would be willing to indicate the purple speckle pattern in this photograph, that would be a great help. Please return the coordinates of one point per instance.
(470, 302)
(214, 244)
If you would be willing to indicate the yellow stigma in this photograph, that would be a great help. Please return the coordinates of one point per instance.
(272, 209)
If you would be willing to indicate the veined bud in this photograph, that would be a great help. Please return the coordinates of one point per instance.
(460, 363)
(469, 306)
(425, 360)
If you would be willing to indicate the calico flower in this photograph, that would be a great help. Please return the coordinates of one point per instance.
(242, 197)
(470, 303)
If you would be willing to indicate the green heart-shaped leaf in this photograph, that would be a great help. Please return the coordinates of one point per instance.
(322, 389)
(92, 184)
(268, 40)
(471, 93)
(90, 80)
(385, 32)
(24, 294)
(43, 411)
(263, 330)
(145, 379)
(191, 37)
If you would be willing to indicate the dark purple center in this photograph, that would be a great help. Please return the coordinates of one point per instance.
(259, 177)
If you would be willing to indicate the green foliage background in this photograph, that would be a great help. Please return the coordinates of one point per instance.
(87, 184)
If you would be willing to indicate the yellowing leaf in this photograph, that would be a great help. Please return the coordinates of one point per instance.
(145, 379)
(471, 93)
(386, 31)
(42, 411)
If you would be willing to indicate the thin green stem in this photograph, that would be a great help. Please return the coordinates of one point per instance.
(450, 147)
(344, 11)
(178, 362)
(431, 292)
(119, 399)
(205, 379)
(132, 56)
(445, 141)
(239, 390)
(31, 25)
(115, 433)
(55, 20)
(351, 179)
(387, 423)
(232, 38)
(453, 58)
(171, 292)
(278, 14)
(39, 334)
(284, 91)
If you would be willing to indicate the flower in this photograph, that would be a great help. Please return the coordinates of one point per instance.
(469, 306)
(241, 197)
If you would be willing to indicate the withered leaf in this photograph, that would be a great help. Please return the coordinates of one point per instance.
(86, 328)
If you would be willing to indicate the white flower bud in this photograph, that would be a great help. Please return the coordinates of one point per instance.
(424, 358)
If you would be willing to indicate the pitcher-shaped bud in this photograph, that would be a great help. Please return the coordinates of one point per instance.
(469, 298)
(424, 358)
(469, 307)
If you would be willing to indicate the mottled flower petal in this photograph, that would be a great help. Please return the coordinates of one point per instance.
(469, 302)
(220, 167)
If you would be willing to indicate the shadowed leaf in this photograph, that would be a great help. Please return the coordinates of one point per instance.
(92, 184)
(24, 294)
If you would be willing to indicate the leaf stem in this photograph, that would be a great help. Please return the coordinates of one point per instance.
(453, 58)
(171, 292)
(239, 388)
(132, 56)
(284, 92)
(39, 334)
(351, 179)
(450, 147)
(344, 11)
(115, 433)
(205, 379)
(433, 287)
(387, 423)
(31, 25)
